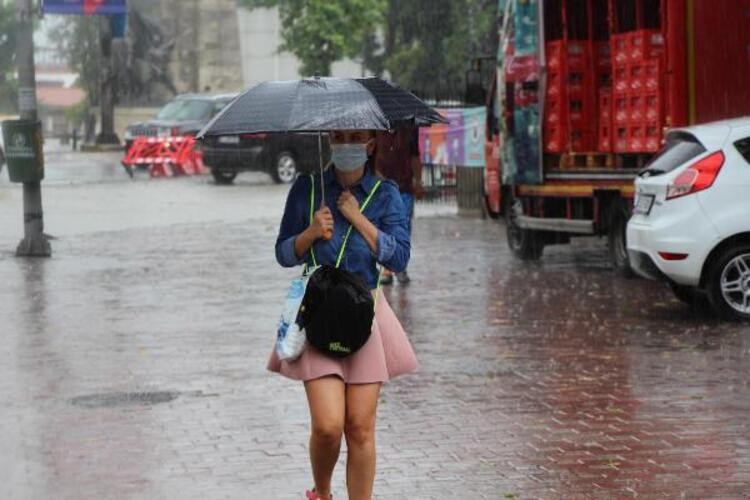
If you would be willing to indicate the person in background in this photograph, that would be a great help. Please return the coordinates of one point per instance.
(397, 158)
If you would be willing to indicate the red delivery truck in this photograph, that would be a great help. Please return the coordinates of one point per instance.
(583, 94)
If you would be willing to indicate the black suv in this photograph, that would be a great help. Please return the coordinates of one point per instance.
(283, 156)
(186, 114)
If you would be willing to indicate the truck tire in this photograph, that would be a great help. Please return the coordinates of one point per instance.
(728, 284)
(616, 239)
(223, 175)
(526, 244)
(284, 169)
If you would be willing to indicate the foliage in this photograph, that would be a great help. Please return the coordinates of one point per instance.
(429, 44)
(76, 115)
(8, 83)
(424, 45)
(79, 40)
(321, 32)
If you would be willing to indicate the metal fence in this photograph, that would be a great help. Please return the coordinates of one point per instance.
(439, 183)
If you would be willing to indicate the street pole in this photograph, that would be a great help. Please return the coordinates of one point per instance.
(34, 243)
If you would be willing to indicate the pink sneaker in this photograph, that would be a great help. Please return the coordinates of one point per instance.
(311, 495)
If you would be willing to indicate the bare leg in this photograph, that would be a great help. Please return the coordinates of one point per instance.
(361, 408)
(326, 398)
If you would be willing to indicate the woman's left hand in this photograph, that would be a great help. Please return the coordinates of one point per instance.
(348, 206)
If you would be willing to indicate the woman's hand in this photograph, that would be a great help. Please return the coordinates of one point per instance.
(322, 225)
(348, 206)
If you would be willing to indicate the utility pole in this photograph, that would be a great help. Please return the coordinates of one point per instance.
(34, 243)
(107, 134)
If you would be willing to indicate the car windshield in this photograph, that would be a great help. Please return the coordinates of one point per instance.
(680, 148)
(186, 109)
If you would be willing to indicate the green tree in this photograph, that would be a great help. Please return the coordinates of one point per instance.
(321, 32)
(8, 83)
(429, 43)
(79, 38)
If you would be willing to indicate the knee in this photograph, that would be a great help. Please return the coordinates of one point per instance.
(329, 432)
(360, 432)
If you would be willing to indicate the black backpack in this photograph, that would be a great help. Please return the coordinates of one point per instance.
(338, 308)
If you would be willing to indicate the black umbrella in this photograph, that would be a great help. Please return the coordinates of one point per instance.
(319, 104)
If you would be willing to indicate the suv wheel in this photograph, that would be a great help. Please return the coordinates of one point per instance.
(284, 169)
(729, 283)
(223, 175)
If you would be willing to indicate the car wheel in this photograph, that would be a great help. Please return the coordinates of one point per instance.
(616, 239)
(526, 244)
(729, 283)
(284, 169)
(223, 175)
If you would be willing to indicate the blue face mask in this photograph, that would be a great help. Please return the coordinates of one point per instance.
(348, 157)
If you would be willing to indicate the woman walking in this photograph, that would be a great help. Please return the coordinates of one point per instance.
(342, 393)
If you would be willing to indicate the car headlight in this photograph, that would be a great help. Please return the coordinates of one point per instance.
(128, 134)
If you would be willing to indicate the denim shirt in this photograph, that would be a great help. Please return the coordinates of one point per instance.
(385, 211)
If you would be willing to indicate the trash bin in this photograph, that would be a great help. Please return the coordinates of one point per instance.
(23, 150)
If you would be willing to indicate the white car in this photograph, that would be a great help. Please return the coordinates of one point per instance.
(691, 217)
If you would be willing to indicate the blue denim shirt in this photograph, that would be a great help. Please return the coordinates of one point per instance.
(385, 211)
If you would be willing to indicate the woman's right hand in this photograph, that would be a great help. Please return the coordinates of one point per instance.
(322, 225)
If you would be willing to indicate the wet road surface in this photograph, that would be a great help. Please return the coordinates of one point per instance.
(132, 362)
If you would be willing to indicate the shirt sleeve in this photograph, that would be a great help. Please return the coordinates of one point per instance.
(295, 220)
(394, 245)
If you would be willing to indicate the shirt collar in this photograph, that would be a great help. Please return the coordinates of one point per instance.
(367, 182)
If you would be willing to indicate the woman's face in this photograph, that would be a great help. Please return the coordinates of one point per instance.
(366, 137)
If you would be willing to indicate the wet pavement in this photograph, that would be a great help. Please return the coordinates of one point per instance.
(132, 362)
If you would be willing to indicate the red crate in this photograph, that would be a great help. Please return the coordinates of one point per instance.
(645, 44)
(555, 139)
(620, 139)
(652, 75)
(621, 79)
(571, 55)
(636, 109)
(555, 85)
(576, 81)
(652, 137)
(636, 139)
(553, 112)
(554, 54)
(636, 78)
(605, 105)
(620, 51)
(581, 140)
(577, 55)
(621, 110)
(605, 140)
(654, 104)
(580, 112)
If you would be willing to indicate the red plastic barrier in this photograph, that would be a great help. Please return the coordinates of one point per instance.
(165, 156)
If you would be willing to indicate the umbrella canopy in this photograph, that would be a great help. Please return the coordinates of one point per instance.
(317, 104)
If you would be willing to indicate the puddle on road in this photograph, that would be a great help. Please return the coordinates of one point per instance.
(116, 399)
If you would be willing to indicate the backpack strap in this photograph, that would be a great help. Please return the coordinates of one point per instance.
(348, 231)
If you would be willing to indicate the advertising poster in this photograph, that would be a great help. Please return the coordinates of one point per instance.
(459, 143)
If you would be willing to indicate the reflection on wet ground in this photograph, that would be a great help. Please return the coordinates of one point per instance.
(133, 367)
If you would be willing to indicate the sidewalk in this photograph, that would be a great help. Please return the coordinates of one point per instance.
(133, 364)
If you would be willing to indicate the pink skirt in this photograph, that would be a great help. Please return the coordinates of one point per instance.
(387, 354)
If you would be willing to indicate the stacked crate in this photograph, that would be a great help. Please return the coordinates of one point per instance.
(570, 99)
(637, 91)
